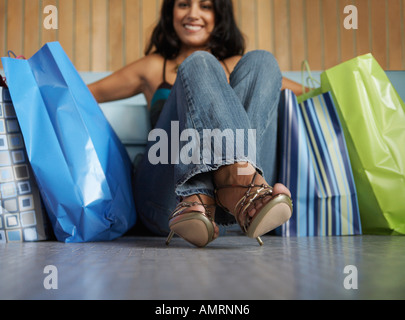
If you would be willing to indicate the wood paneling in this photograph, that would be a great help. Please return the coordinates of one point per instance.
(115, 34)
(14, 14)
(379, 31)
(298, 34)
(330, 29)
(346, 38)
(133, 47)
(99, 32)
(82, 34)
(104, 35)
(282, 49)
(247, 23)
(31, 42)
(45, 35)
(67, 20)
(314, 42)
(3, 29)
(394, 54)
(265, 39)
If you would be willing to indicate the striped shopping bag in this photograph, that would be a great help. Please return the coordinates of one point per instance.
(314, 165)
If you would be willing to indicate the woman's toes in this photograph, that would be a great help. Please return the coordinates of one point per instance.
(258, 205)
(252, 212)
(281, 189)
(216, 231)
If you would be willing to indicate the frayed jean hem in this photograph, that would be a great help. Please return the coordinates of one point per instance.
(183, 190)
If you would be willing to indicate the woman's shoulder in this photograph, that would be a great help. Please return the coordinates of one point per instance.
(153, 58)
(151, 62)
(149, 67)
(144, 65)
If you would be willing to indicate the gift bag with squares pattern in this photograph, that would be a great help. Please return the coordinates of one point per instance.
(22, 216)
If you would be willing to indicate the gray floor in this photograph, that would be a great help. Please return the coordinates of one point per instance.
(232, 267)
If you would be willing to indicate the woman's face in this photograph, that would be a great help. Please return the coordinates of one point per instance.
(193, 21)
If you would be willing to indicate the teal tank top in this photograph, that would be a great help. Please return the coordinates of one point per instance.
(159, 98)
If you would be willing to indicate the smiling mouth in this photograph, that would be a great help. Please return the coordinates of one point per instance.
(192, 28)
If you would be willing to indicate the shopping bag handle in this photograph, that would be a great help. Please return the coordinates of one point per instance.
(9, 53)
(312, 83)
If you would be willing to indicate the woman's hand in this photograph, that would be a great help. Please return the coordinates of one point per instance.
(294, 87)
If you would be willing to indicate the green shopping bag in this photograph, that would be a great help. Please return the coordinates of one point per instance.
(373, 120)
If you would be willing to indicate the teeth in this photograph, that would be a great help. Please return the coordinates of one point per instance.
(193, 28)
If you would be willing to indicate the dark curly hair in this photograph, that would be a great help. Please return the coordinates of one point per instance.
(226, 39)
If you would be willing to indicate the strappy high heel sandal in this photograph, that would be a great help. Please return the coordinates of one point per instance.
(272, 215)
(196, 227)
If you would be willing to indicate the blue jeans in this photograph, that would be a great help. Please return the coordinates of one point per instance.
(203, 102)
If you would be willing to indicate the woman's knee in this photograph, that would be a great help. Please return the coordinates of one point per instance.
(197, 59)
(263, 57)
(264, 61)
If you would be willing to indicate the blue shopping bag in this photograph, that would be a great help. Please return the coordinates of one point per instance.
(314, 165)
(82, 169)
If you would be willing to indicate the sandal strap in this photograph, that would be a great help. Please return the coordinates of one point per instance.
(246, 201)
(182, 206)
(249, 187)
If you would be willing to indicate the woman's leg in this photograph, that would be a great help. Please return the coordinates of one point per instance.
(205, 104)
(158, 175)
(154, 192)
(256, 81)
(200, 100)
(249, 103)
(215, 123)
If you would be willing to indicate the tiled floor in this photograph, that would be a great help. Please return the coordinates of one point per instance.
(232, 267)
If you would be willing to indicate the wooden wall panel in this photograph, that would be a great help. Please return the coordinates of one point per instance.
(363, 35)
(149, 19)
(45, 34)
(3, 28)
(82, 35)
(313, 34)
(31, 22)
(265, 24)
(104, 35)
(297, 34)
(66, 34)
(282, 50)
(99, 32)
(378, 30)
(15, 26)
(329, 32)
(236, 9)
(394, 55)
(115, 34)
(247, 23)
(347, 38)
(403, 33)
(133, 45)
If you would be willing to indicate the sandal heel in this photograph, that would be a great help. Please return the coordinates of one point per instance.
(260, 241)
(276, 212)
(196, 227)
(169, 238)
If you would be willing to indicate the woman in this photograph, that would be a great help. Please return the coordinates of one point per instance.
(195, 80)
